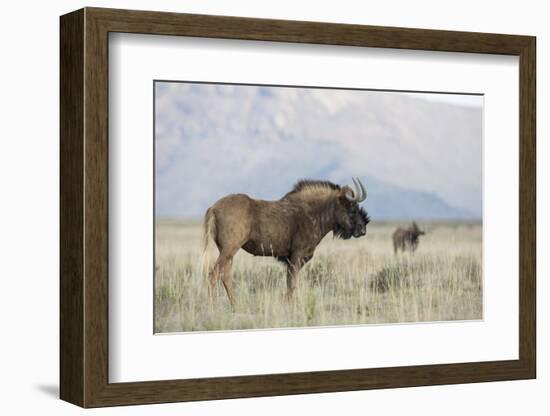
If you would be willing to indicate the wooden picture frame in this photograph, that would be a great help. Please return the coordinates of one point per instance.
(84, 207)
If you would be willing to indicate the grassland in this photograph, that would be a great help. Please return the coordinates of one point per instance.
(346, 283)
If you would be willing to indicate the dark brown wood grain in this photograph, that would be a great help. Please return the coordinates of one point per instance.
(84, 207)
(527, 207)
(71, 208)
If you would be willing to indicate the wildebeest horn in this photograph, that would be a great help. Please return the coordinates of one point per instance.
(360, 190)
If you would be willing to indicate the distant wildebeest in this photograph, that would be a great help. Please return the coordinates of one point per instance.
(406, 238)
(288, 229)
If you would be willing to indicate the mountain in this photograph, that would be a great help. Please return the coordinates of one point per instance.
(418, 159)
(389, 202)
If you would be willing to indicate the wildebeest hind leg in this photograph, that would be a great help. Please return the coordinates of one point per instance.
(227, 280)
(213, 282)
(222, 271)
(224, 263)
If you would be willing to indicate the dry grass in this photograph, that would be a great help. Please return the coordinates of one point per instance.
(346, 283)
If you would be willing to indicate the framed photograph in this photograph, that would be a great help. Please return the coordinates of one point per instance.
(254, 207)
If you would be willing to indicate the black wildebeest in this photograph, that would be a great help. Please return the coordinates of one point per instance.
(406, 238)
(288, 229)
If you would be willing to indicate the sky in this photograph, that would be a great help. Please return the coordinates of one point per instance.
(420, 155)
(463, 100)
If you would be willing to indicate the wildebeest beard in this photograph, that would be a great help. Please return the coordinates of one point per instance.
(339, 232)
(360, 221)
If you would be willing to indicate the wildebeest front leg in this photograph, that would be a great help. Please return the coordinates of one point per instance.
(293, 268)
(291, 277)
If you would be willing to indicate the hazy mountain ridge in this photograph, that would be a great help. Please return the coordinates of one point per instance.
(419, 159)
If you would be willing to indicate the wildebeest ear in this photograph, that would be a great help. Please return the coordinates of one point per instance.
(346, 193)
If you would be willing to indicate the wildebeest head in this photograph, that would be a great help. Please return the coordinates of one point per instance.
(415, 230)
(351, 219)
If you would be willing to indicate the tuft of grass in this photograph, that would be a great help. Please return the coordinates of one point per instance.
(311, 309)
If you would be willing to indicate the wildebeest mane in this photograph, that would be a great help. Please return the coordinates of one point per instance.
(364, 215)
(307, 184)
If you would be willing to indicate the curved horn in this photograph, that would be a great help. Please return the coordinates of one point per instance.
(360, 187)
(358, 192)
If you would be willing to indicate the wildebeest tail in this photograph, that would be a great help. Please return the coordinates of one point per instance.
(208, 240)
(209, 229)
